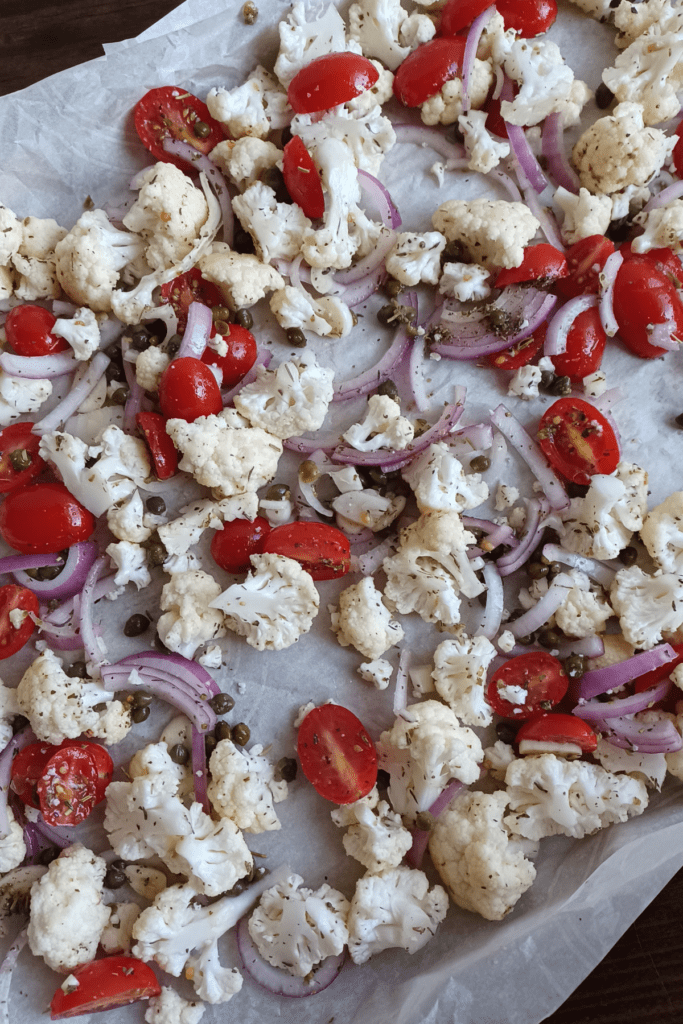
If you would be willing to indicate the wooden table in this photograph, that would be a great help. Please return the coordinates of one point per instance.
(641, 980)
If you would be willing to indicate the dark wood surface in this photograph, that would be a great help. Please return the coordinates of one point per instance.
(641, 980)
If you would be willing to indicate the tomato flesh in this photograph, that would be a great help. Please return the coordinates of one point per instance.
(16, 438)
(337, 756)
(232, 547)
(30, 765)
(43, 517)
(330, 80)
(459, 14)
(13, 598)
(238, 360)
(322, 550)
(528, 17)
(585, 260)
(28, 331)
(302, 179)
(522, 353)
(66, 787)
(104, 985)
(558, 729)
(577, 440)
(427, 68)
(188, 390)
(586, 340)
(174, 113)
(539, 674)
(190, 287)
(644, 296)
(152, 426)
(541, 262)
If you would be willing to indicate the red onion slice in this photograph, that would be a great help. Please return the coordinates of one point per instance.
(280, 983)
(307, 487)
(308, 445)
(602, 574)
(662, 336)
(368, 265)
(79, 561)
(132, 407)
(189, 673)
(493, 612)
(513, 430)
(543, 609)
(416, 374)
(20, 740)
(661, 737)
(526, 160)
(471, 44)
(600, 680)
(552, 143)
(199, 162)
(369, 380)
(66, 611)
(196, 336)
(37, 367)
(598, 711)
(608, 276)
(496, 533)
(370, 561)
(479, 436)
(16, 564)
(543, 215)
(359, 291)
(89, 640)
(668, 194)
(53, 835)
(560, 324)
(378, 194)
(199, 712)
(473, 335)
(6, 970)
(85, 380)
(199, 769)
(416, 852)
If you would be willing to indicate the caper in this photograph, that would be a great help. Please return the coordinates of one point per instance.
(141, 338)
(561, 386)
(136, 625)
(238, 888)
(574, 666)
(179, 754)
(241, 734)
(389, 389)
(142, 699)
(377, 476)
(139, 715)
(549, 638)
(172, 346)
(455, 252)
(295, 337)
(527, 640)
(480, 463)
(393, 288)
(115, 876)
(78, 670)
(244, 318)
(502, 322)
(554, 569)
(46, 856)
(222, 731)
(383, 779)
(425, 821)
(221, 313)
(20, 459)
(277, 492)
(156, 551)
(629, 556)
(286, 769)
(386, 314)
(210, 744)
(201, 129)
(222, 327)
(50, 572)
(222, 703)
(603, 96)
(156, 505)
(537, 570)
(506, 731)
(249, 13)
(121, 395)
(547, 380)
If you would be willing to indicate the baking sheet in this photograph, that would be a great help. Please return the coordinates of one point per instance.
(74, 138)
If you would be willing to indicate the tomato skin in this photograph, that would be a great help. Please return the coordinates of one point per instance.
(459, 14)
(664, 260)
(11, 639)
(170, 113)
(30, 763)
(330, 80)
(238, 360)
(28, 331)
(528, 17)
(425, 70)
(152, 426)
(190, 287)
(539, 673)
(644, 682)
(66, 787)
(188, 389)
(541, 262)
(302, 179)
(18, 437)
(322, 550)
(43, 517)
(577, 440)
(522, 353)
(644, 296)
(232, 546)
(336, 754)
(558, 728)
(585, 260)
(586, 340)
(104, 985)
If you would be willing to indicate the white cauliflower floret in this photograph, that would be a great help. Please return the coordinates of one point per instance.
(186, 530)
(375, 25)
(552, 796)
(431, 568)
(213, 854)
(647, 606)
(168, 213)
(12, 845)
(367, 508)
(34, 261)
(416, 258)
(333, 246)
(274, 606)
(295, 928)
(464, 282)
(190, 620)
(583, 612)
(61, 707)
(360, 137)
(544, 79)
(663, 229)
(364, 621)
(9, 708)
(584, 214)
(483, 150)
(394, 909)
(253, 108)
(649, 72)
(662, 533)
(375, 837)
(327, 316)
(154, 759)
(149, 367)
(618, 150)
(290, 400)
(276, 228)
(497, 758)
(378, 672)
(445, 106)
(243, 787)
(438, 749)
(242, 278)
(170, 1008)
(246, 159)
(383, 427)
(89, 258)
(19, 395)
(649, 768)
(601, 10)
(460, 667)
(67, 911)
(602, 523)
(130, 560)
(494, 232)
(302, 41)
(81, 331)
(225, 453)
(479, 863)
(440, 483)
(524, 382)
(11, 235)
(117, 935)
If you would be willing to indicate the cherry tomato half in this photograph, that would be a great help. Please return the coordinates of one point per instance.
(190, 287)
(302, 179)
(15, 598)
(644, 682)
(232, 546)
(29, 767)
(539, 673)
(585, 260)
(664, 260)
(494, 118)
(322, 550)
(425, 70)
(556, 729)
(459, 14)
(522, 353)
(19, 458)
(43, 517)
(67, 787)
(577, 440)
(330, 80)
(541, 262)
(174, 113)
(528, 17)
(28, 331)
(337, 756)
(239, 358)
(104, 985)
(188, 390)
(152, 426)
(644, 296)
(586, 340)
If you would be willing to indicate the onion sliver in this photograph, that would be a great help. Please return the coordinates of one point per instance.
(89, 639)
(200, 162)
(85, 380)
(368, 264)
(308, 445)
(598, 710)
(199, 769)
(189, 673)
(36, 367)
(79, 560)
(561, 323)
(600, 680)
(608, 276)
(53, 835)
(471, 44)
(280, 983)
(16, 564)
(525, 158)
(513, 430)
(416, 373)
(20, 740)
(602, 574)
(133, 405)
(382, 370)
(379, 195)
(661, 737)
(421, 838)
(199, 713)
(6, 969)
(370, 561)
(493, 612)
(674, 191)
(543, 609)
(474, 335)
(552, 142)
(197, 331)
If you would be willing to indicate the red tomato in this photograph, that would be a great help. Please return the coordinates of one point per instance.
(557, 728)
(577, 440)
(585, 260)
(586, 341)
(528, 17)
(322, 550)
(12, 597)
(174, 113)
(30, 764)
(425, 70)
(664, 260)
(494, 119)
(67, 787)
(188, 389)
(541, 262)
(657, 674)
(104, 985)
(337, 756)
(330, 80)
(42, 518)
(644, 296)
(28, 331)
(539, 673)
(302, 179)
(459, 14)
(190, 287)
(15, 439)
(232, 546)
(102, 762)
(152, 426)
(678, 151)
(239, 358)
(522, 353)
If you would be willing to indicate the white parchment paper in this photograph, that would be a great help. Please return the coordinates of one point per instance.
(72, 136)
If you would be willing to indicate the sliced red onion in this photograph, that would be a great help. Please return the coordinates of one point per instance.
(308, 445)
(473, 37)
(608, 276)
(370, 561)
(89, 639)
(526, 160)
(365, 267)
(378, 194)
(53, 835)
(667, 195)
(16, 564)
(199, 712)
(421, 838)
(416, 373)
(560, 324)
(307, 487)
(85, 380)
(662, 336)
(537, 616)
(661, 737)
(199, 770)
(359, 291)
(507, 183)
(605, 402)
(133, 405)
(369, 380)
(513, 430)
(71, 579)
(496, 533)
(598, 710)
(285, 267)
(552, 143)
(602, 574)
(190, 673)
(479, 436)
(431, 137)
(493, 612)
(196, 336)
(199, 162)
(589, 646)
(534, 527)
(66, 611)
(38, 367)
(20, 740)
(601, 680)
(473, 336)
(263, 358)
(6, 970)
(279, 982)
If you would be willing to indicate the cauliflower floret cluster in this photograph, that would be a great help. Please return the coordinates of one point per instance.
(618, 150)
(483, 150)
(663, 228)
(89, 259)
(243, 787)
(602, 523)
(245, 160)
(493, 232)
(34, 260)
(445, 106)
(584, 214)
(189, 619)
(290, 400)
(465, 282)
(253, 108)
(416, 258)
(364, 621)
(439, 482)
(649, 72)
(276, 228)
(384, 30)
(647, 606)
(327, 316)
(20, 395)
(460, 667)
(375, 834)
(170, 1008)
(168, 213)
(662, 533)
(383, 427)
(242, 278)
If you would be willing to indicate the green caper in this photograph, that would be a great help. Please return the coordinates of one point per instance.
(222, 731)
(139, 715)
(222, 703)
(78, 670)
(222, 327)
(561, 386)
(115, 876)
(286, 769)
(179, 754)
(537, 570)
(244, 318)
(156, 505)
(506, 731)
(574, 665)
(425, 821)
(210, 744)
(480, 463)
(549, 638)
(156, 551)
(20, 459)
(201, 129)
(172, 346)
(136, 625)
(389, 389)
(393, 288)
(142, 699)
(295, 337)
(221, 313)
(277, 492)
(241, 734)
(629, 556)
(121, 395)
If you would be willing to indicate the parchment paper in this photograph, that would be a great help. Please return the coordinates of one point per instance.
(73, 137)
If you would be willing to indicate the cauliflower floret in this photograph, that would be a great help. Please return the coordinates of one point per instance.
(545, 81)
(464, 282)
(274, 606)
(89, 258)
(361, 136)
(663, 229)
(130, 560)
(367, 508)
(662, 533)
(185, 531)
(225, 453)
(61, 707)
(170, 1008)
(242, 278)
(649, 768)
(494, 232)
(11, 235)
(376, 837)
(302, 41)
(416, 258)
(149, 367)
(19, 395)
(333, 246)
(524, 382)
(67, 911)
(460, 667)
(213, 854)
(243, 787)
(81, 331)
(394, 909)
(296, 928)
(253, 108)
(584, 214)
(601, 10)
(383, 427)
(583, 612)
(647, 606)
(327, 316)
(9, 708)
(618, 150)
(445, 106)
(290, 400)
(34, 261)
(498, 757)
(117, 935)
(483, 150)
(482, 868)
(375, 25)
(364, 621)
(12, 845)
(552, 796)
(439, 481)
(246, 159)
(190, 619)
(168, 213)
(602, 523)
(595, 384)
(276, 228)
(378, 672)
(649, 72)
